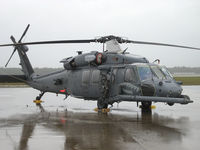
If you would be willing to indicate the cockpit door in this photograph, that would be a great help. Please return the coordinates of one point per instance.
(146, 80)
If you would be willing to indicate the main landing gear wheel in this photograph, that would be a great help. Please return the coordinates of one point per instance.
(102, 106)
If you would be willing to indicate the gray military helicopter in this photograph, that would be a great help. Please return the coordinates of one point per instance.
(110, 76)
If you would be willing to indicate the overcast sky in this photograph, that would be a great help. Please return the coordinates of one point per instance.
(166, 21)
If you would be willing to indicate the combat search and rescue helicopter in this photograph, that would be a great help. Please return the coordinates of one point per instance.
(109, 76)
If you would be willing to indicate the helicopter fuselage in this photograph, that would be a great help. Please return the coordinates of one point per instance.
(105, 81)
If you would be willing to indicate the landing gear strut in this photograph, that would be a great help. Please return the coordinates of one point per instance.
(38, 99)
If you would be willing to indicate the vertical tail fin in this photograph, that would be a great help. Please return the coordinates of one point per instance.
(24, 61)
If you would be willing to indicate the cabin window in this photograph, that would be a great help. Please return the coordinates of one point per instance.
(130, 75)
(86, 77)
(95, 76)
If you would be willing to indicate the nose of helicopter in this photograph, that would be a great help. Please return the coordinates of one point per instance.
(168, 89)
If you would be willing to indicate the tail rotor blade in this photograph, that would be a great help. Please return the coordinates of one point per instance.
(24, 33)
(10, 57)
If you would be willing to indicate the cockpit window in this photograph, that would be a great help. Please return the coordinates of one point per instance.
(158, 72)
(144, 73)
(166, 72)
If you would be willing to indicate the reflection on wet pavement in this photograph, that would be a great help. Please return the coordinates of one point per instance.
(99, 130)
(74, 130)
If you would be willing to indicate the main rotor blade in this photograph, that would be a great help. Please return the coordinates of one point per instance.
(51, 42)
(161, 44)
(100, 40)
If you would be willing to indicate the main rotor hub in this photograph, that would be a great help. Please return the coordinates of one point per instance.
(104, 39)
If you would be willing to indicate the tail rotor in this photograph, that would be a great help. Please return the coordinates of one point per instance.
(12, 38)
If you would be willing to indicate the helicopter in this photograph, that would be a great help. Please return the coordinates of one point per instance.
(110, 76)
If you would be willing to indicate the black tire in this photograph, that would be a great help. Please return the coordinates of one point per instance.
(101, 104)
(170, 104)
(146, 105)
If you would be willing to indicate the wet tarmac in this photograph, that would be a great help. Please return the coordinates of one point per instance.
(74, 125)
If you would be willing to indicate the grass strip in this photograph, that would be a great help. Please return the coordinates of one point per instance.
(188, 80)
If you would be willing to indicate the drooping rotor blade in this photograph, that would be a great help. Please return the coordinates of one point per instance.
(51, 42)
(99, 40)
(161, 44)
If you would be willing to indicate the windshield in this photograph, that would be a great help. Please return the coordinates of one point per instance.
(158, 72)
(166, 72)
(144, 73)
